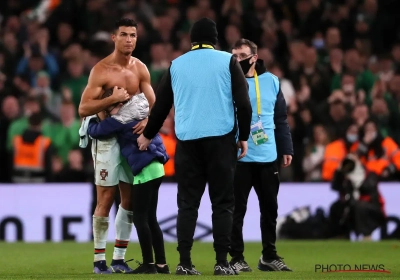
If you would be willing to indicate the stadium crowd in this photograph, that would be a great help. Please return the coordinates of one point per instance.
(338, 63)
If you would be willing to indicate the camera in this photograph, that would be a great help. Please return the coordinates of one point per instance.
(348, 164)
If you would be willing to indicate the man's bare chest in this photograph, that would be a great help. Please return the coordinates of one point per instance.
(126, 79)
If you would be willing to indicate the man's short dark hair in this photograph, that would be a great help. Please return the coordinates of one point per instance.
(248, 43)
(276, 65)
(125, 22)
(67, 102)
(36, 54)
(35, 119)
(337, 102)
(31, 99)
(384, 56)
(348, 73)
(107, 93)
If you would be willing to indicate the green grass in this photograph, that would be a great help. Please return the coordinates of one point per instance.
(74, 260)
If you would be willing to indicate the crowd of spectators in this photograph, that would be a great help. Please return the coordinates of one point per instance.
(337, 61)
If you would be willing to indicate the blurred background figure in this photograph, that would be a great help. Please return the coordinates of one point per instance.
(378, 153)
(338, 63)
(73, 171)
(168, 136)
(337, 150)
(63, 132)
(314, 155)
(360, 208)
(9, 112)
(32, 154)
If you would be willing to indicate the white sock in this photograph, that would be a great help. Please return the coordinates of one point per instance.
(123, 228)
(100, 234)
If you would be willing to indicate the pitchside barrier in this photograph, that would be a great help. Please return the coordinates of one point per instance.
(60, 212)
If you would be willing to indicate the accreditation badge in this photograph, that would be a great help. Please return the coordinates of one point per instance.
(258, 134)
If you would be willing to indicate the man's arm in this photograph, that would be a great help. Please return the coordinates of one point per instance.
(147, 89)
(240, 94)
(50, 152)
(11, 133)
(337, 181)
(103, 129)
(90, 101)
(283, 136)
(145, 85)
(162, 106)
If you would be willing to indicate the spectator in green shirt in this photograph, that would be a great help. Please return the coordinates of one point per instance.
(76, 82)
(17, 127)
(64, 135)
(353, 64)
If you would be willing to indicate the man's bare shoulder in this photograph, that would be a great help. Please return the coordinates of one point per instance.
(141, 68)
(101, 66)
(138, 63)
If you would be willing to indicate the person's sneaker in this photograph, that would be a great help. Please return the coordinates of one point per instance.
(224, 269)
(100, 267)
(182, 269)
(163, 270)
(145, 268)
(234, 270)
(120, 266)
(240, 266)
(275, 264)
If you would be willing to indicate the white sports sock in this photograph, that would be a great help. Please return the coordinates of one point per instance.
(100, 234)
(123, 228)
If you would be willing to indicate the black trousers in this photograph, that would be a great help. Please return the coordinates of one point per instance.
(197, 162)
(362, 217)
(265, 180)
(339, 226)
(144, 201)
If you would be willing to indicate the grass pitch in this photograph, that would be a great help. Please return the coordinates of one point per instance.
(74, 260)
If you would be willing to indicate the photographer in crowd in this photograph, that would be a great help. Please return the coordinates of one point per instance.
(360, 208)
(379, 154)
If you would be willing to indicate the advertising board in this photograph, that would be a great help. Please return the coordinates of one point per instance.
(57, 212)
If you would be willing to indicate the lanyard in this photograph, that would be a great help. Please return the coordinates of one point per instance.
(202, 46)
(257, 94)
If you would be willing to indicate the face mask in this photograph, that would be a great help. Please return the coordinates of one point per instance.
(352, 138)
(318, 43)
(246, 65)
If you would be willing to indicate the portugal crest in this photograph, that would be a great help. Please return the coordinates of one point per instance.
(103, 174)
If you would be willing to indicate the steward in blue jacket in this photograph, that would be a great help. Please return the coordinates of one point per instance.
(209, 92)
(269, 142)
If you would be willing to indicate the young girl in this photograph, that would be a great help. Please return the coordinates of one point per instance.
(148, 170)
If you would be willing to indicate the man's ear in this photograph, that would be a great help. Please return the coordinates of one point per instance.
(254, 58)
(113, 37)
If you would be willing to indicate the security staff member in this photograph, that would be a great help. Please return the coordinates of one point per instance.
(269, 138)
(336, 152)
(32, 154)
(206, 87)
(379, 154)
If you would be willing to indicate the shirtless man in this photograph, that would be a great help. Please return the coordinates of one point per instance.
(128, 76)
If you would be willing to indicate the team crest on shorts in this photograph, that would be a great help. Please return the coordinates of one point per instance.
(103, 174)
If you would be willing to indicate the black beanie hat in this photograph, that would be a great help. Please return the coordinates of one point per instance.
(204, 30)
